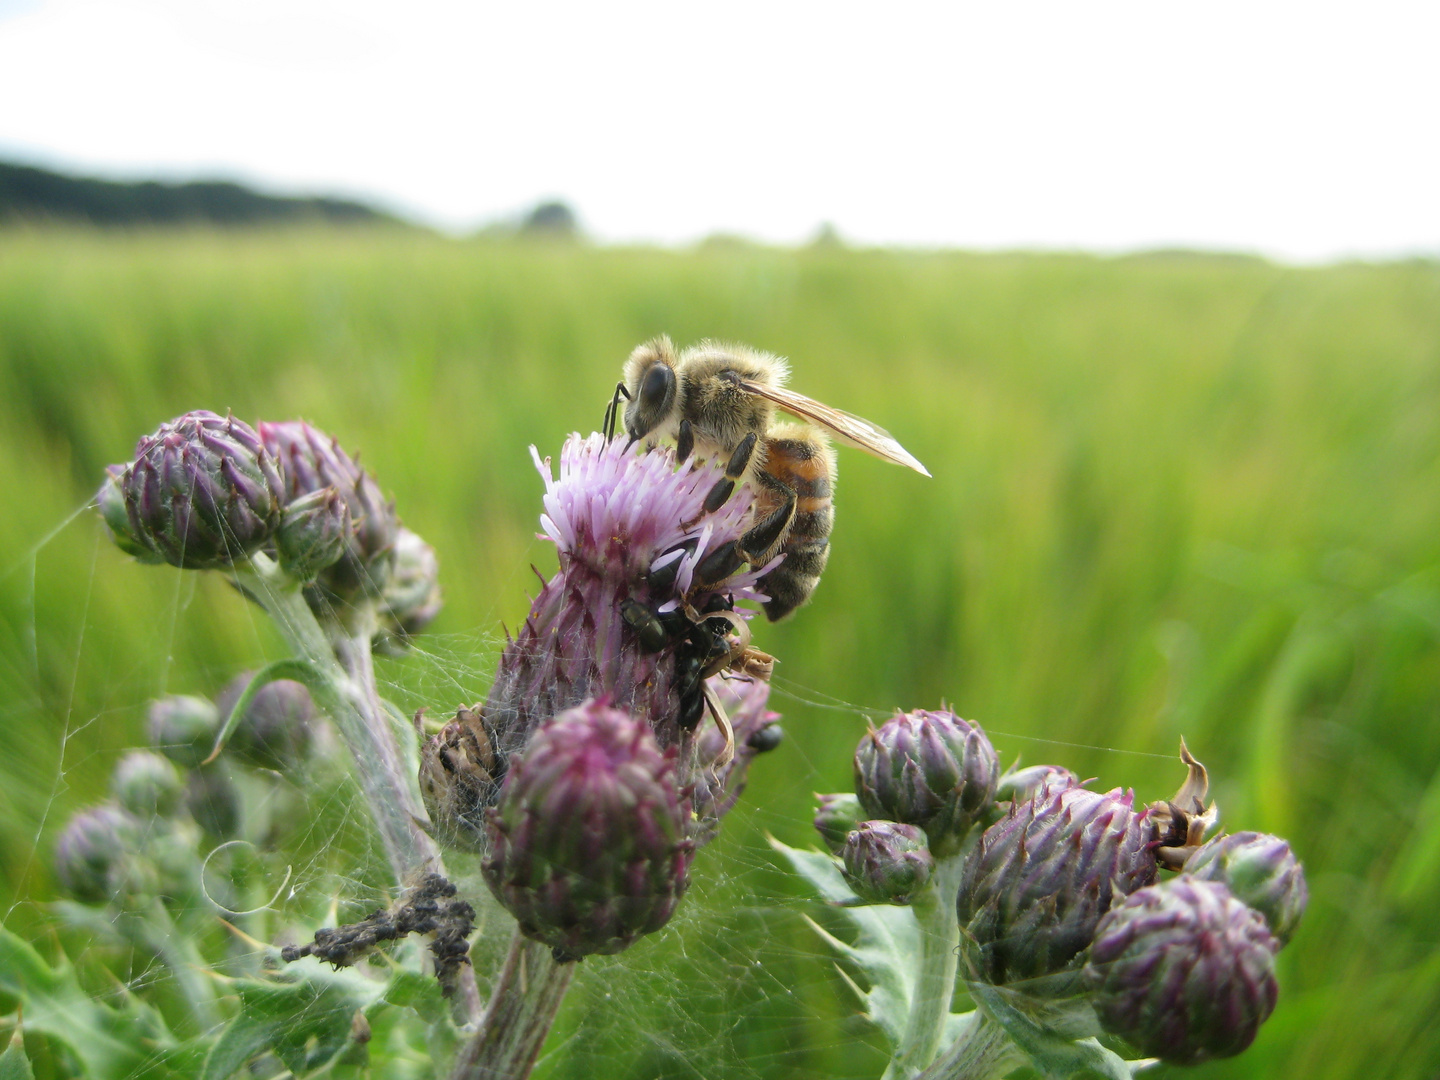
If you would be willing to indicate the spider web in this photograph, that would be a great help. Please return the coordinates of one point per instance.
(736, 986)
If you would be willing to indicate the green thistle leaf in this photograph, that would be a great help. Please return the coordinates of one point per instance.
(109, 1042)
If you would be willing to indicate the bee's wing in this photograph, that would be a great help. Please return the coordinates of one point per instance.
(847, 427)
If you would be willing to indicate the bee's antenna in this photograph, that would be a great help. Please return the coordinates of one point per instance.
(612, 411)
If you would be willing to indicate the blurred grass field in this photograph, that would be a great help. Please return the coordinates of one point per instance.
(1172, 495)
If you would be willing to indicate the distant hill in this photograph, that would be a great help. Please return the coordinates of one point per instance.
(31, 194)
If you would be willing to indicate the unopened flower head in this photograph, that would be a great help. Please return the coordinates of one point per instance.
(213, 802)
(1018, 785)
(885, 862)
(313, 534)
(930, 769)
(277, 728)
(183, 728)
(589, 847)
(313, 462)
(147, 784)
(836, 818)
(1041, 877)
(97, 858)
(1261, 871)
(201, 493)
(411, 599)
(1184, 971)
(617, 620)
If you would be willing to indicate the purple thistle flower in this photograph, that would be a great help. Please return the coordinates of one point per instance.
(1184, 971)
(631, 530)
(588, 845)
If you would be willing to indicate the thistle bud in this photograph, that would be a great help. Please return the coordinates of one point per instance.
(96, 858)
(213, 802)
(314, 530)
(313, 461)
(277, 728)
(201, 493)
(1183, 971)
(110, 501)
(1020, 785)
(886, 863)
(930, 769)
(183, 728)
(588, 844)
(837, 817)
(146, 784)
(719, 783)
(411, 599)
(1260, 870)
(1041, 877)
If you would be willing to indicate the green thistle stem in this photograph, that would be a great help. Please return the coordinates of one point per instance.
(157, 932)
(342, 678)
(982, 1052)
(522, 1008)
(939, 956)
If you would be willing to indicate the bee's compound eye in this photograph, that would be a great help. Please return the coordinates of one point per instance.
(656, 388)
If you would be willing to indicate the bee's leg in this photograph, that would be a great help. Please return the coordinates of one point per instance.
(684, 442)
(760, 539)
(612, 411)
(765, 535)
(734, 470)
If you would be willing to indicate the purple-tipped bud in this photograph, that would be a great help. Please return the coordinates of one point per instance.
(930, 769)
(886, 863)
(1020, 785)
(1261, 871)
(110, 501)
(460, 775)
(213, 802)
(756, 730)
(313, 461)
(277, 728)
(147, 785)
(1041, 877)
(97, 860)
(1183, 971)
(183, 728)
(412, 595)
(201, 493)
(314, 531)
(836, 818)
(588, 841)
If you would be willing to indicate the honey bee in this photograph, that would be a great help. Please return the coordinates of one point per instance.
(718, 401)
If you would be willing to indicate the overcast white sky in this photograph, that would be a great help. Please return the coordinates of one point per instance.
(1302, 130)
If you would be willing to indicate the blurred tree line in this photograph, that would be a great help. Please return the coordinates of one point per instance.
(31, 194)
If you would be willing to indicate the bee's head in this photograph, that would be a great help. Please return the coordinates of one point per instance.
(654, 388)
